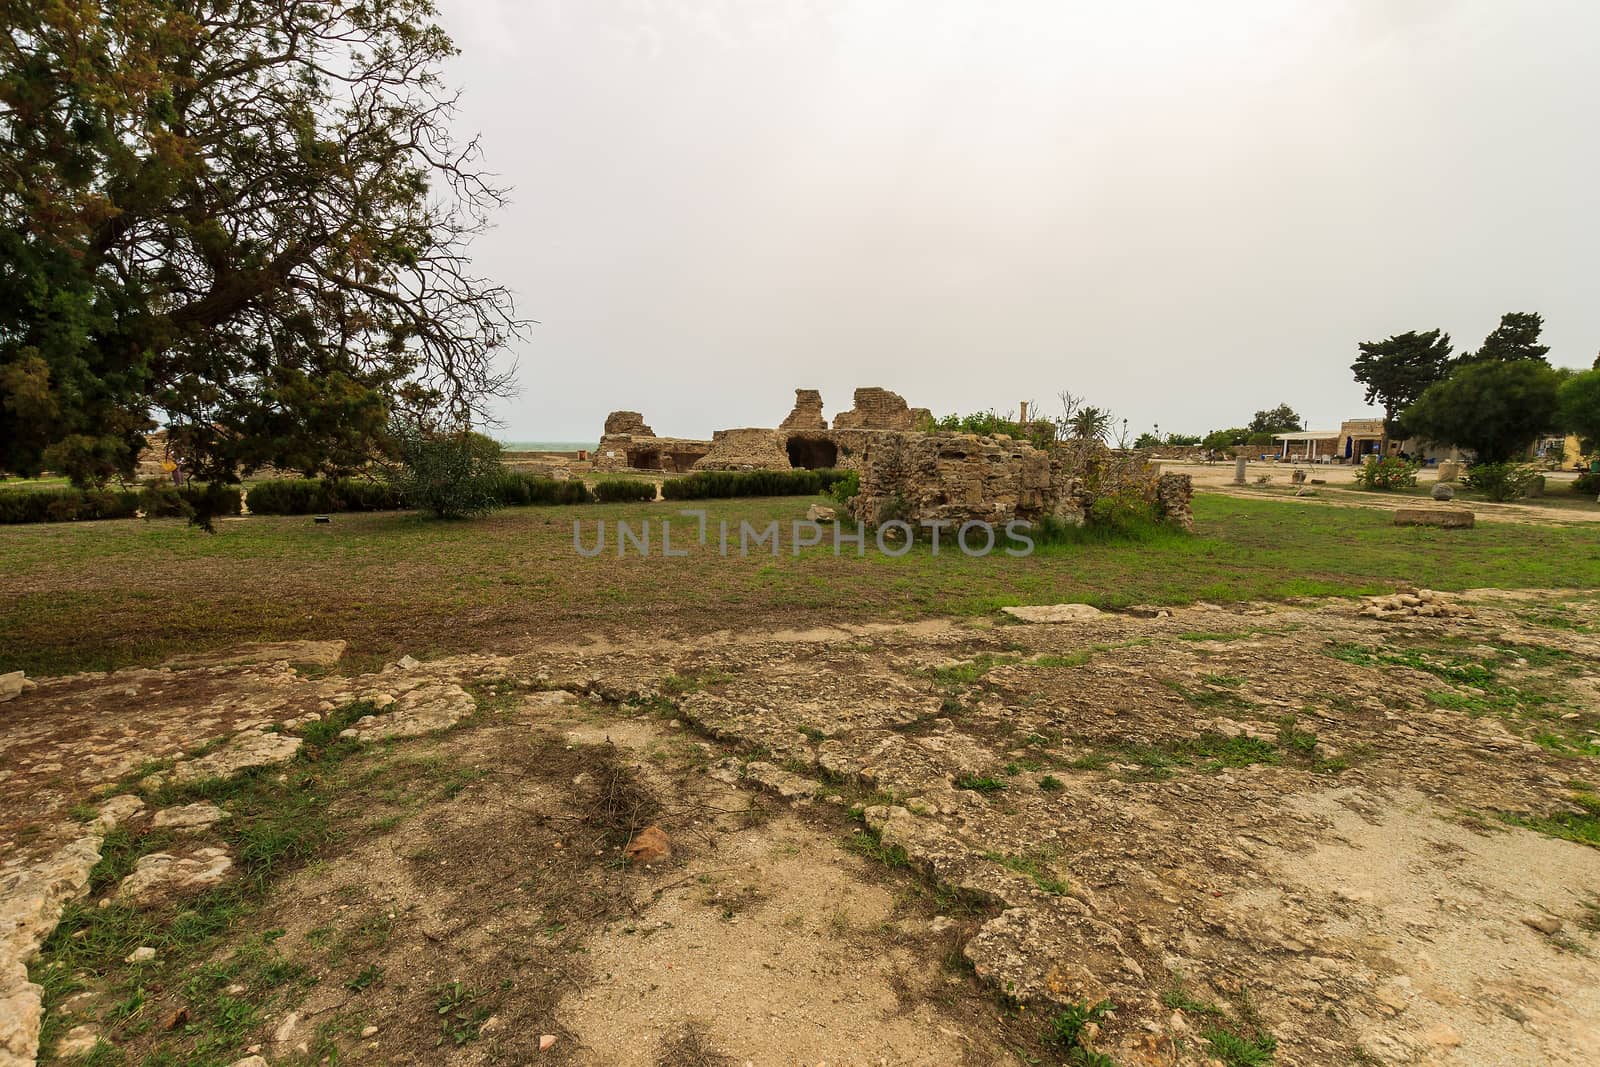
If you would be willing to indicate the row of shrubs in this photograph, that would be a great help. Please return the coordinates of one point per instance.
(158, 499)
(313, 496)
(703, 485)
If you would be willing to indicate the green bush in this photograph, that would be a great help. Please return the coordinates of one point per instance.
(515, 489)
(1386, 474)
(1588, 483)
(1502, 481)
(65, 505)
(618, 490)
(703, 485)
(453, 474)
(316, 496)
(847, 486)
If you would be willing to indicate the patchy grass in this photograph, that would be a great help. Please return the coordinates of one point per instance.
(979, 783)
(95, 596)
(867, 844)
(1036, 867)
(1581, 825)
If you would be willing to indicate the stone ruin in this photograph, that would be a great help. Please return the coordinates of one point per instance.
(957, 477)
(907, 473)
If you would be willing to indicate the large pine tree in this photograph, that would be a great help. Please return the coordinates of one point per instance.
(245, 218)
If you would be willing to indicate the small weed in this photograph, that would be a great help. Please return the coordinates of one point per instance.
(1035, 867)
(868, 844)
(1065, 1027)
(979, 784)
(1051, 784)
(461, 1015)
(1238, 1051)
(367, 977)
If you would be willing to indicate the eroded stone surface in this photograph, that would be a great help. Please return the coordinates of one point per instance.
(188, 817)
(161, 874)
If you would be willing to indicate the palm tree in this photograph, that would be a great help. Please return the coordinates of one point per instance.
(1091, 424)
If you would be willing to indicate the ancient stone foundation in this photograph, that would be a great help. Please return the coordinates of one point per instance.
(956, 478)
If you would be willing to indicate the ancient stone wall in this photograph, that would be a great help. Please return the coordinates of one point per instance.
(877, 409)
(957, 478)
(749, 449)
(621, 452)
(807, 412)
(627, 422)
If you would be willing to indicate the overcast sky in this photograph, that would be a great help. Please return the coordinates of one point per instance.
(1185, 211)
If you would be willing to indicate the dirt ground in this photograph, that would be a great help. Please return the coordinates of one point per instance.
(1335, 483)
(1290, 833)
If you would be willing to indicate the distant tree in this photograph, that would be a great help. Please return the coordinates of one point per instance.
(1183, 439)
(1147, 440)
(1281, 419)
(1219, 439)
(1496, 409)
(1580, 408)
(1398, 369)
(1516, 338)
(1091, 424)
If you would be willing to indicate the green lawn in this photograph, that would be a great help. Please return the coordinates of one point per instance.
(102, 595)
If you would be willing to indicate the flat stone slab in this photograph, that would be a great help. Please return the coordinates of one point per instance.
(1448, 518)
(188, 817)
(160, 873)
(1053, 612)
(246, 749)
(319, 653)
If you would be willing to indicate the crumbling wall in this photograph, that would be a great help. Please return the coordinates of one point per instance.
(627, 422)
(807, 412)
(749, 449)
(877, 409)
(956, 478)
(621, 452)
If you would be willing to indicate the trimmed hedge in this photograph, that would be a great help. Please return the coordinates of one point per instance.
(65, 505)
(519, 490)
(719, 484)
(321, 496)
(617, 490)
(158, 501)
(313, 496)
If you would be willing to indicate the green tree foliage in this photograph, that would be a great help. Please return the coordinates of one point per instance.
(1090, 424)
(453, 474)
(1398, 369)
(246, 217)
(1281, 419)
(1580, 408)
(1220, 439)
(1494, 408)
(1516, 338)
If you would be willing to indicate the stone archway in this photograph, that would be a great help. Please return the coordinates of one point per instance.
(811, 453)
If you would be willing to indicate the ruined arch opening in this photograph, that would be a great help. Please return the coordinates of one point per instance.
(812, 453)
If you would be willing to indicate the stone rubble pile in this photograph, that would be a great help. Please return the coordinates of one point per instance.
(1423, 603)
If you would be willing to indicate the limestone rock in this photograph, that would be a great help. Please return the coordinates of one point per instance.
(20, 1015)
(161, 873)
(77, 1042)
(188, 817)
(250, 1061)
(1444, 492)
(317, 653)
(1053, 612)
(821, 513)
(418, 711)
(246, 749)
(115, 811)
(627, 422)
(650, 846)
(786, 784)
(1448, 518)
(1545, 924)
(142, 954)
(11, 685)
